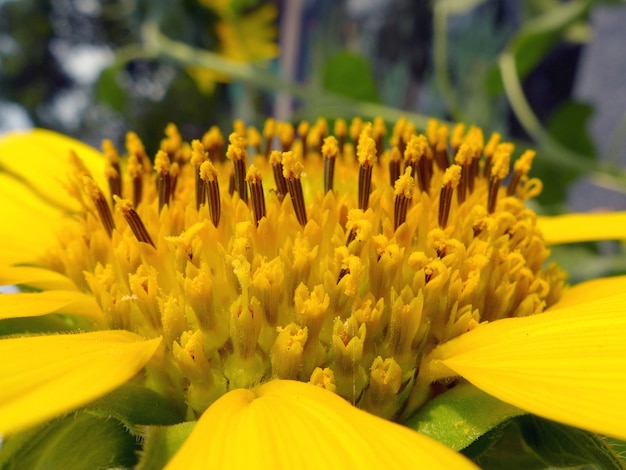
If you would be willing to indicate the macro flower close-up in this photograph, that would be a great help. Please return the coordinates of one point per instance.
(277, 234)
(268, 285)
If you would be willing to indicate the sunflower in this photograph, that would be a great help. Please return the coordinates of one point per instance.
(287, 297)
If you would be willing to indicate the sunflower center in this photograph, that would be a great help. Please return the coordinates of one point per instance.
(300, 255)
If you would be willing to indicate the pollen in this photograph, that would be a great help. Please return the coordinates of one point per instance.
(337, 258)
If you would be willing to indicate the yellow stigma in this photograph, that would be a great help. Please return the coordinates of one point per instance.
(292, 165)
(330, 148)
(338, 260)
(452, 176)
(366, 150)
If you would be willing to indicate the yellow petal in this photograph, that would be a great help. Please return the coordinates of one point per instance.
(35, 304)
(40, 159)
(583, 227)
(285, 424)
(591, 290)
(42, 377)
(37, 278)
(568, 365)
(29, 225)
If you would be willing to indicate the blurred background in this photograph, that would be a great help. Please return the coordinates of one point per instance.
(547, 74)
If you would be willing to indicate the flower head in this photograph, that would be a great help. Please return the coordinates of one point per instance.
(350, 266)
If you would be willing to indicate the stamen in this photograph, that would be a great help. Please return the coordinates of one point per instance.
(358, 226)
(135, 147)
(136, 174)
(330, 149)
(408, 132)
(213, 142)
(342, 274)
(162, 167)
(404, 194)
(269, 130)
(231, 183)
(254, 138)
(463, 158)
(208, 174)
(237, 153)
(520, 168)
(341, 130)
(286, 135)
(303, 132)
(395, 162)
(396, 139)
(441, 148)
(239, 128)
(450, 181)
(104, 212)
(256, 190)
(292, 169)
(456, 139)
(198, 157)
(356, 126)
(134, 221)
(174, 172)
(172, 143)
(313, 140)
(380, 130)
(366, 153)
(276, 160)
(431, 132)
(113, 170)
(321, 125)
(111, 154)
(476, 141)
(114, 180)
(499, 171)
(415, 152)
(493, 142)
(317, 134)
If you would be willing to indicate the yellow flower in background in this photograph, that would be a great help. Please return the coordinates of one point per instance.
(249, 37)
(264, 283)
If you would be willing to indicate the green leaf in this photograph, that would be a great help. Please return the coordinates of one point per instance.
(133, 404)
(461, 415)
(350, 75)
(78, 441)
(161, 443)
(536, 38)
(563, 446)
(108, 90)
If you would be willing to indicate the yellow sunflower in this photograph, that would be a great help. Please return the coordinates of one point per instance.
(250, 37)
(282, 299)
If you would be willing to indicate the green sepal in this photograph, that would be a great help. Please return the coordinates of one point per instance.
(54, 323)
(461, 415)
(503, 447)
(77, 441)
(559, 445)
(161, 443)
(134, 405)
